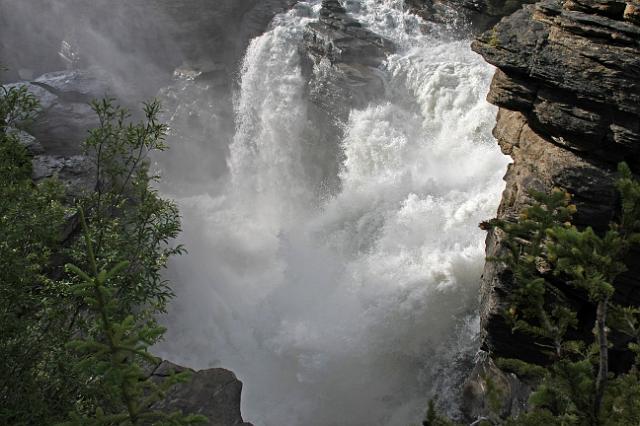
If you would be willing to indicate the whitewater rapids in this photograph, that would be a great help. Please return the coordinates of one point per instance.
(354, 305)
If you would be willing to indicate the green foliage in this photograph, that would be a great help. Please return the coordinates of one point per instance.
(521, 369)
(78, 342)
(32, 371)
(432, 417)
(126, 216)
(117, 354)
(536, 305)
(17, 105)
(547, 256)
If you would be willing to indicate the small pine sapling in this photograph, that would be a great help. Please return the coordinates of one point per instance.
(117, 353)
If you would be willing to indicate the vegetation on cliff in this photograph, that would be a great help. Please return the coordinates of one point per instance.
(75, 339)
(551, 263)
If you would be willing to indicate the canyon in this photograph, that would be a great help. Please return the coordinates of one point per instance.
(332, 160)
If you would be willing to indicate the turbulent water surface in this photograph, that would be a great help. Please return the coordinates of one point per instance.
(345, 304)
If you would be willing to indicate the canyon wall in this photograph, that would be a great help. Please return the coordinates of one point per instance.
(568, 88)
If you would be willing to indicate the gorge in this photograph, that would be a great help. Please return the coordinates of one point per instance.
(332, 161)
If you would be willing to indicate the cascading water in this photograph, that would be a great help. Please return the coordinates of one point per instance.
(351, 307)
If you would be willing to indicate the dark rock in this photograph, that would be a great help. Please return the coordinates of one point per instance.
(343, 66)
(214, 393)
(61, 125)
(339, 38)
(551, 56)
(30, 142)
(65, 115)
(568, 86)
(477, 15)
(75, 172)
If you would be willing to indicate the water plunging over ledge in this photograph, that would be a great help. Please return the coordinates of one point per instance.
(350, 306)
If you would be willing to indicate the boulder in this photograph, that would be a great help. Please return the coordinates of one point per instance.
(214, 393)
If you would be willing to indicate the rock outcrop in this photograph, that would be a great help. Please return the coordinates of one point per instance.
(568, 88)
(63, 120)
(474, 15)
(342, 63)
(213, 393)
(345, 58)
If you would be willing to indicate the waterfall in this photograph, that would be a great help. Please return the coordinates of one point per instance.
(349, 307)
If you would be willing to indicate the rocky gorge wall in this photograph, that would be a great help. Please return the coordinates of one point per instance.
(568, 87)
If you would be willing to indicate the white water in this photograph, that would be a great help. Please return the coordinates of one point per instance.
(351, 308)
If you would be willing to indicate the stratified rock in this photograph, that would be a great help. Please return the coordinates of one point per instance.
(568, 88)
(214, 393)
(576, 68)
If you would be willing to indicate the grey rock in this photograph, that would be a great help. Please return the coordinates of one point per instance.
(342, 63)
(75, 172)
(65, 116)
(214, 393)
(30, 142)
(339, 38)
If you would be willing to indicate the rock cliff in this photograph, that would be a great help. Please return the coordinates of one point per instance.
(568, 87)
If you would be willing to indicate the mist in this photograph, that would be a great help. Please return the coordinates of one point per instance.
(335, 272)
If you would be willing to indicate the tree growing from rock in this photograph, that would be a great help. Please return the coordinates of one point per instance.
(547, 257)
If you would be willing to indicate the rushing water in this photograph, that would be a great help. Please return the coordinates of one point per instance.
(349, 306)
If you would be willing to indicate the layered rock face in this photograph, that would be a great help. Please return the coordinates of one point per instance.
(568, 88)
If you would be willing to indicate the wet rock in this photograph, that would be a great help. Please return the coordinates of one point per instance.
(75, 172)
(342, 63)
(339, 38)
(475, 15)
(65, 115)
(214, 393)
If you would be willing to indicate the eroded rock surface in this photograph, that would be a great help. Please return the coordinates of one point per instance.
(568, 88)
